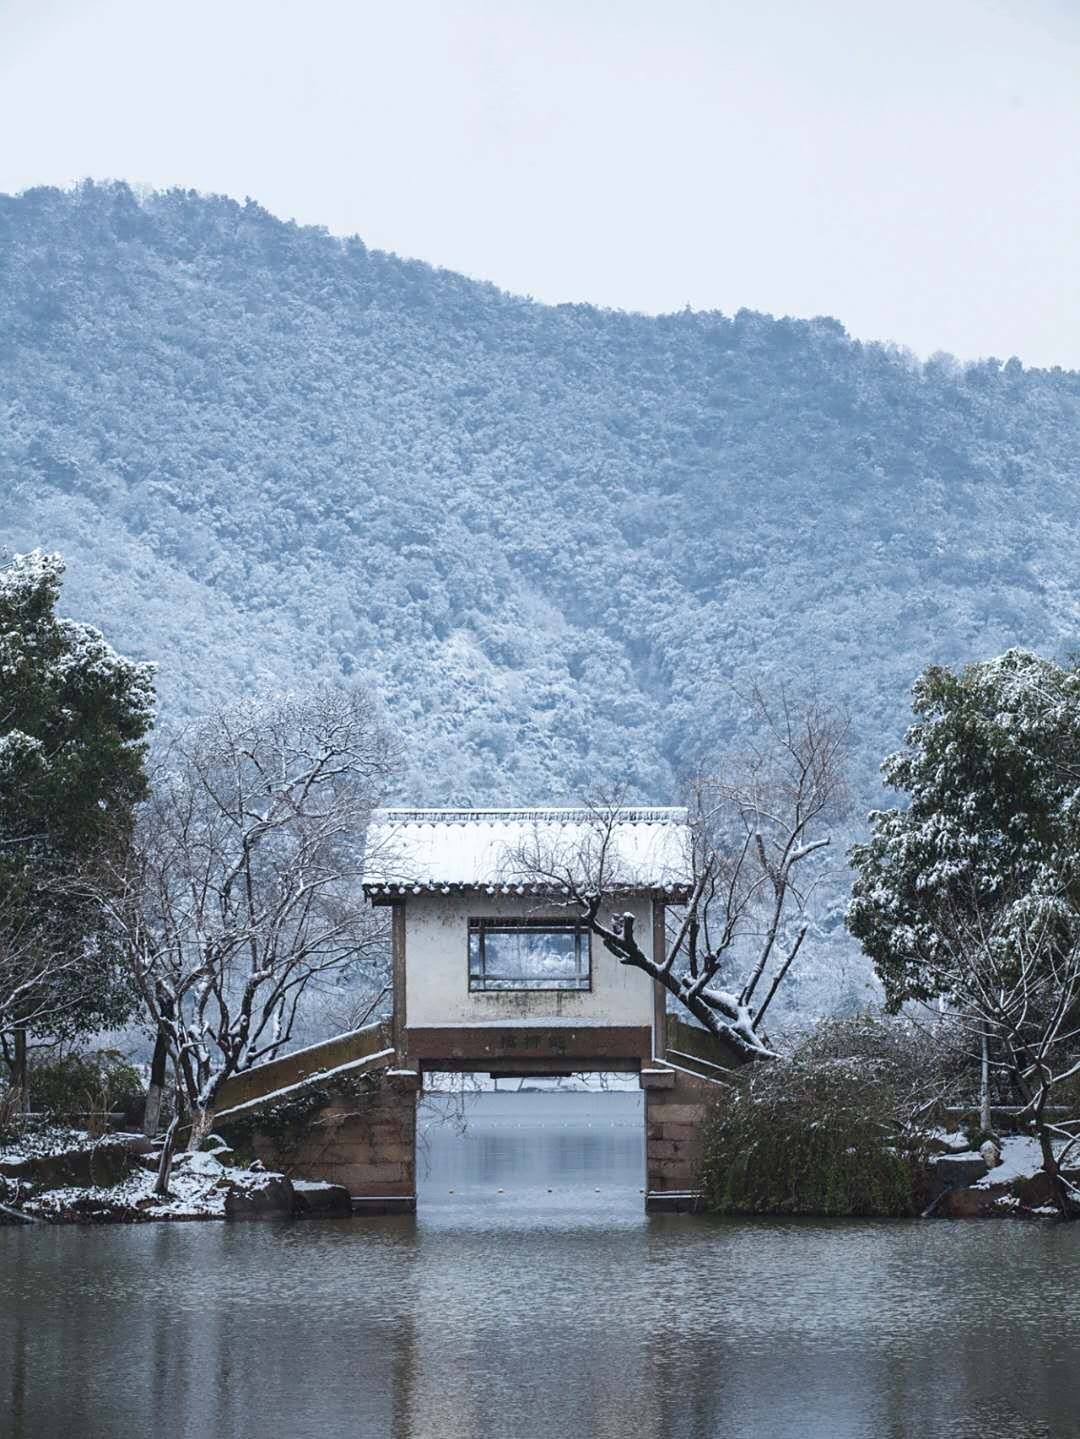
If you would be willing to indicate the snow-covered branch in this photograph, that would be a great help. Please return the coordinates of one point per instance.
(241, 887)
(755, 825)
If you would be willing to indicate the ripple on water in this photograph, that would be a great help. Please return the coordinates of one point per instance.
(549, 1309)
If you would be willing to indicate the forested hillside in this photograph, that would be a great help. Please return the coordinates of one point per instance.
(558, 539)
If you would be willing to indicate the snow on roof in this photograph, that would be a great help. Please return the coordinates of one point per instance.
(506, 851)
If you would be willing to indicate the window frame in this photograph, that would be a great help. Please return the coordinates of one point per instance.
(481, 925)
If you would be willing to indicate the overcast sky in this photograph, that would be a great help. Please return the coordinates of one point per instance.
(912, 168)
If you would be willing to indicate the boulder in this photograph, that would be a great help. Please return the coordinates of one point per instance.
(95, 1207)
(1035, 1191)
(953, 1171)
(972, 1203)
(313, 1199)
(991, 1154)
(102, 1164)
(258, 1196)
(1028, 1197)
(951, 1142)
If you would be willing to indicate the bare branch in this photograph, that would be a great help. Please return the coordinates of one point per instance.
(241, 886)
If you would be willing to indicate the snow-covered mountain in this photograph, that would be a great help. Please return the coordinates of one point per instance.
(559, 539)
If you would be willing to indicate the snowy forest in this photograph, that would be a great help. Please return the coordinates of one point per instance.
(561, 544)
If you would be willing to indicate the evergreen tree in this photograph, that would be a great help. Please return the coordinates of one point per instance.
(73, 719)
(972, 893)
(991, 833)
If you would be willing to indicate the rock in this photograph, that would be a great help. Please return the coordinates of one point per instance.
(262, 1196)
(313, 1199)
(1029, 1197)
(953, 1171)
(953, 1142)
(969, 1203)
(102, 1164)
(1034, 1191)
(96, 1209)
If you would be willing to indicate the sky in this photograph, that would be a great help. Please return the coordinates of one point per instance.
(909, 168)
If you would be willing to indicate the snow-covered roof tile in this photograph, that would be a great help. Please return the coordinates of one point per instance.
(432, 850)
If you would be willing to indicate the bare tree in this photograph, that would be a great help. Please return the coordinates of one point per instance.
(756, 826)
(241, 887)
(31, 977)
(1012, 971)
(340, 1002)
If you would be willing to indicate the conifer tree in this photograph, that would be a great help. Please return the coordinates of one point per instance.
(991, 769)
(74, 716)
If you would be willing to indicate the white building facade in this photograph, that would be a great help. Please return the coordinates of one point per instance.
(494, 967)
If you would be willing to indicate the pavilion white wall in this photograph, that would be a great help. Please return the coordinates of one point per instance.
(437, 967)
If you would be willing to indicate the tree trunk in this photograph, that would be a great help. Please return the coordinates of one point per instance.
(16, 1216)
(201, 1123)
(986, 1118)
(1058, 1187)
(156, 1087)
(161, 1184)
(20, 1076)
(1067, 1208)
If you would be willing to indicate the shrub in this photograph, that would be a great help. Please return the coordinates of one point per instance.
(10, 1112)
(828, 1131)
(85, 1083)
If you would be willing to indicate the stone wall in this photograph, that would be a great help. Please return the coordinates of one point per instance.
(363, 1138)
(304, 1064)
(674, 1115)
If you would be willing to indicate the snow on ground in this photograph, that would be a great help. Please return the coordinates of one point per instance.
(1021, 1157)
(36, 1140)
(198, 1186)
(954, 1140)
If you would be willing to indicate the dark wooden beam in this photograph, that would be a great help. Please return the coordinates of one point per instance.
(532, 1068)
(485, 1047)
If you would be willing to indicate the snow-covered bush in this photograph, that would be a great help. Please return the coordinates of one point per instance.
(834, 1129)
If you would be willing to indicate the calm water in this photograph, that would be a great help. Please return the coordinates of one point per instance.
(554, 1308)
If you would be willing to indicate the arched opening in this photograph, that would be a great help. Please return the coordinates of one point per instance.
(556, 1147)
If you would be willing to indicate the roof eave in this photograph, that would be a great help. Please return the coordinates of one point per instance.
(378, 891)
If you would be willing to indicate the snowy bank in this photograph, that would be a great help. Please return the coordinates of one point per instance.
(111, 1180)
(1016, 1188)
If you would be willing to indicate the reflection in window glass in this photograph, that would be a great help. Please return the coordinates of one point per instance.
(504, 954)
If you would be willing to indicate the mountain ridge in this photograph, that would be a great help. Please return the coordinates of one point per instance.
(560, 540)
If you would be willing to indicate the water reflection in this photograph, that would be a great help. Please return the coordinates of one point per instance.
(548, 1309)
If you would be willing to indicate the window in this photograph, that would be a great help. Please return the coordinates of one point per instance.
(528, 954)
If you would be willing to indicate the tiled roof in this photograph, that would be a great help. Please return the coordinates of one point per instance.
(446, 850)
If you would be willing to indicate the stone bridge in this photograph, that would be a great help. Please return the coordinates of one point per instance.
(496, 971)
(345, 1110)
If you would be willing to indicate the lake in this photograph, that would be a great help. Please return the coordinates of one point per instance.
(531, 1297)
